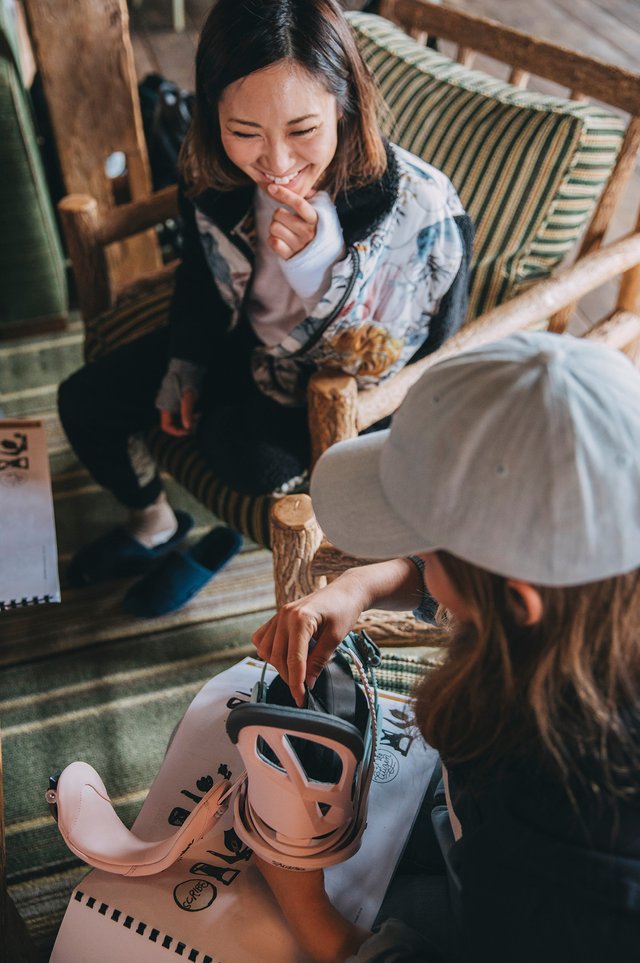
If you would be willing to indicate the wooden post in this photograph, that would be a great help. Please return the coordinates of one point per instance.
(629, 290)
(386, 9)
(621, 330)
(332, 402)
(629, 294)
(81, 226)
(420, 36)
(466, 55)
(295, 537)
(519, 78)
(85, 57)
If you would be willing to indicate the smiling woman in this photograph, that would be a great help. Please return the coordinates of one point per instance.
(288, 150)
(306, 56)
(309, 243)
(280, 126)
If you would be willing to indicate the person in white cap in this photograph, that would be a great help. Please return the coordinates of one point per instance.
(508, 488)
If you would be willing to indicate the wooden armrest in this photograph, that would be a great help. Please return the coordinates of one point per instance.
(302, 560)
(524, 311)
(621, 330)
(128, 219)
(88, 231)
(338, 411)
(124, 220)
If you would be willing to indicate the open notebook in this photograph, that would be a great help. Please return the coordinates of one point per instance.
(28, 553)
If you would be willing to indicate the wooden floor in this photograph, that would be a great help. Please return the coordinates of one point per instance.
(608, 29)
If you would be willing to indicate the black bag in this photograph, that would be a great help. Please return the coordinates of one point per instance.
(166, 115)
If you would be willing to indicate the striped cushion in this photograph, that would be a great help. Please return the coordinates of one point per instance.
(181, 457)
(127, 321)
(397, 673)
(528, 168)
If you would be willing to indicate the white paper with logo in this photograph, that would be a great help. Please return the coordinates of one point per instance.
(29, 555)
(212, 906)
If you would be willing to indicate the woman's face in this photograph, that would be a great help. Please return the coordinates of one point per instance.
(280, 126)
(439, 585)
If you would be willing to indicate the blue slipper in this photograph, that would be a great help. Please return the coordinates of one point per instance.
(181, 576)
(118, 555)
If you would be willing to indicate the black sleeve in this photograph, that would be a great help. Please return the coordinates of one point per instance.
(198, 316)
(453, 306)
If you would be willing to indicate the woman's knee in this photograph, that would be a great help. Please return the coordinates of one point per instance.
(251, 457)
(256, 470)
(75, 397)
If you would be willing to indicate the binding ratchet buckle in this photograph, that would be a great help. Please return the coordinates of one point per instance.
(304, 802)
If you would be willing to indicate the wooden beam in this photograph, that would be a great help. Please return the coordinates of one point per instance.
(332, 402)
(401, 629)
(330, 561)
(614, 85)
(620, 330)
(295, 536)
(127, 219)
(80, 221)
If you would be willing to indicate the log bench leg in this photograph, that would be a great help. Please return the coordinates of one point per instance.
(295, 537)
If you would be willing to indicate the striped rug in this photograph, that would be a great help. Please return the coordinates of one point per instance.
(82, 680)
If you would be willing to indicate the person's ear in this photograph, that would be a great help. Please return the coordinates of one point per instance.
(527, 601)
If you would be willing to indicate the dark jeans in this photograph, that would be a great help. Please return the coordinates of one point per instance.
(253, 444)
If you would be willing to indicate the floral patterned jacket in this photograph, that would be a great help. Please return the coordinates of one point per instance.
(398, 293)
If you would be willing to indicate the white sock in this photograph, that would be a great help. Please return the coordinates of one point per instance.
(153, 525)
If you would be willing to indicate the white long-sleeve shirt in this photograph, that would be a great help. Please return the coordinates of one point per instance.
(274, 308)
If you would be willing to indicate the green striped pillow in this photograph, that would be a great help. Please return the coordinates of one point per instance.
(528, 168)
(129, 319)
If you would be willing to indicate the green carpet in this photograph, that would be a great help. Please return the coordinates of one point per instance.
(82, 680)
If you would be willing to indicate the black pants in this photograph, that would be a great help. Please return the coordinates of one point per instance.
(419, 894)
(252, 443)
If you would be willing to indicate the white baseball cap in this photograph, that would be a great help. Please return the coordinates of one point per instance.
(521, 457)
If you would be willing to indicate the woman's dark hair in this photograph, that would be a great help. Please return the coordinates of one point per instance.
(242, 36)
(566, 689)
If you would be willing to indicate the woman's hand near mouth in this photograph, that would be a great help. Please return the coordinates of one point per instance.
(293, 227)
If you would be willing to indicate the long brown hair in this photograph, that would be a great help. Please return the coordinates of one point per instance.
(566, 688)
(242, 36)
